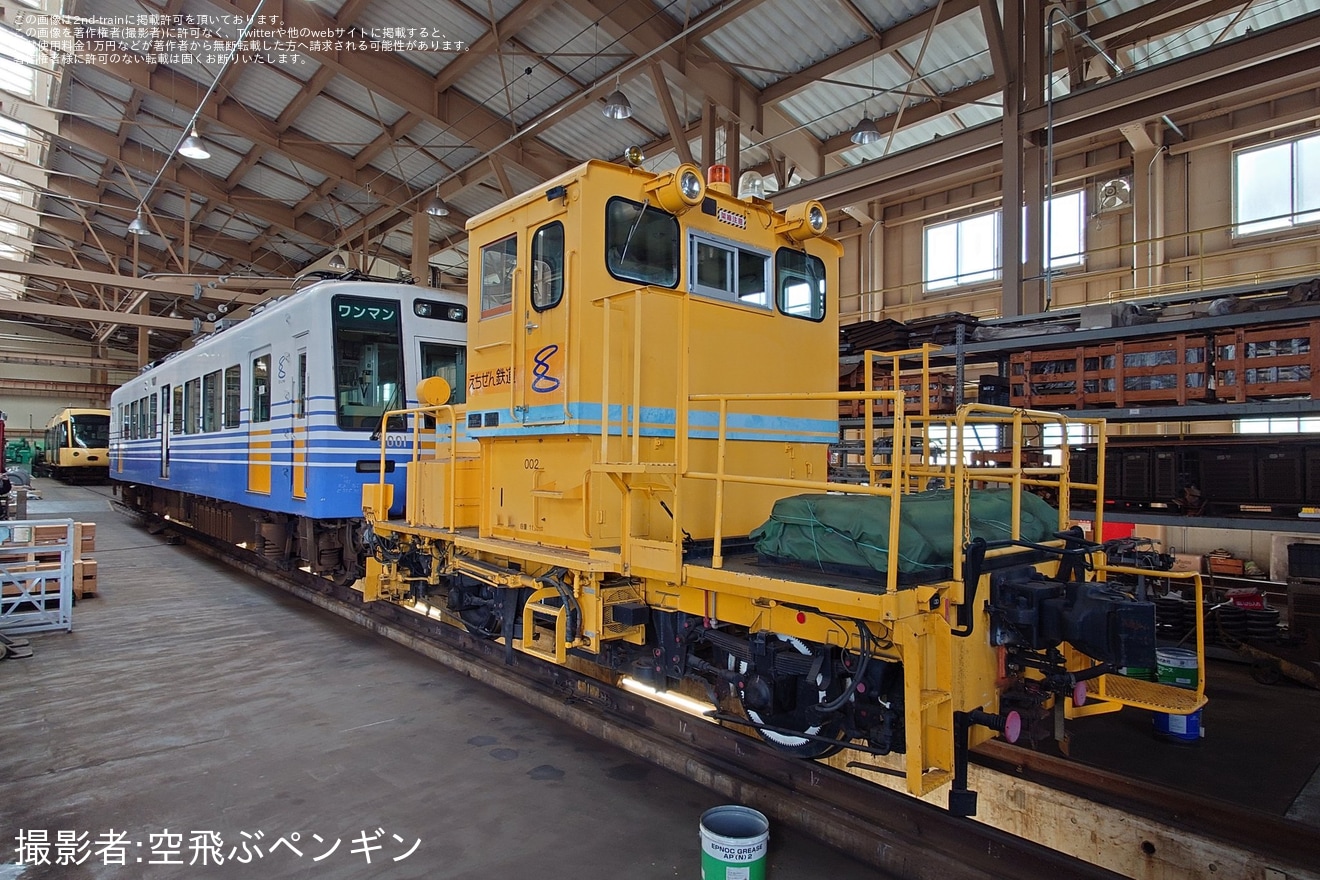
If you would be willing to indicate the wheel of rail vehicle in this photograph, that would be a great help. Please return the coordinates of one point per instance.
(786, 709)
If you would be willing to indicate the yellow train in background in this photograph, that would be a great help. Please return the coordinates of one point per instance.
(638, 484)
(77, 446)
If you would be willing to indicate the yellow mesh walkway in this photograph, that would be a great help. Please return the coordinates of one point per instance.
(1145, 694)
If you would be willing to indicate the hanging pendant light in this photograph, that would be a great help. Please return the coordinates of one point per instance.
(193, 147)
(617, 105)
(434, 205)
(139, 225)
(865, 132)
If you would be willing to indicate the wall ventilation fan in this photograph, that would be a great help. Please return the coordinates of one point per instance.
(1113, 195)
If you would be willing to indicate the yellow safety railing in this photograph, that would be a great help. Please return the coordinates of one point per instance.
(379, 508)
(721, 476)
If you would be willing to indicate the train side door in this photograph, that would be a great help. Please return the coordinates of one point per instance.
(164, 427)
(298, 432)
(542, 376)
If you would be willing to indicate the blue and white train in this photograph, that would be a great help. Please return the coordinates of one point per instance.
(262, 433)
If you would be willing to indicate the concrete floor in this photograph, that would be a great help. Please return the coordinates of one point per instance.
(189, 698)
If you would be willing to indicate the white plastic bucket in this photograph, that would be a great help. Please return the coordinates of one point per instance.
(733, 843)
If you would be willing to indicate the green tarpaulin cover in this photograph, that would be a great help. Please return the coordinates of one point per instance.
(853, 530)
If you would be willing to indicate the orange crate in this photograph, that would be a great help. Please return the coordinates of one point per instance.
(1267, 362)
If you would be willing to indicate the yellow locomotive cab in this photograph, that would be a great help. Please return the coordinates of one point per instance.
(640, 480)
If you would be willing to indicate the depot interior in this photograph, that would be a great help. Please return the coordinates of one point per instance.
(1110, 207)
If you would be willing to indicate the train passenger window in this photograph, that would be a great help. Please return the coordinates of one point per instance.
(143, 430)
(800, 284)
(125, 426)
(151, 416)
(133, 420)
(211, 401)
(448, 362)
(233, 386)
(641, 243)
(548, 266)
(498, 261)
(261, 389)
(178, 410)
(192, 406)
(725, 271)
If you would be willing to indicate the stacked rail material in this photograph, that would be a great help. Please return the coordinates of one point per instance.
(42, 556)
(1169, 370)
(941, 329)
(1267, 362)
(939, 389)
(882, 335)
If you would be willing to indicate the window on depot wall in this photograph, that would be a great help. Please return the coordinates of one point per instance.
(1065, 230)
(1276, 186)
(960, 252)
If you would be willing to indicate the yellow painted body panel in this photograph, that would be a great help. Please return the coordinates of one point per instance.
(259, 459)
(300, 467)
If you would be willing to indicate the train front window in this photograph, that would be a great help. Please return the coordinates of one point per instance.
(800, 284)
(368, 371)
(91, 431)
(641, 243)
(725, 271)
(449, 362)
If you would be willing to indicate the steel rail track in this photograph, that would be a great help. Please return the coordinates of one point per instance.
(900, 835)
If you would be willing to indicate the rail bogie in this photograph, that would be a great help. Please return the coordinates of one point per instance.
(643, 487)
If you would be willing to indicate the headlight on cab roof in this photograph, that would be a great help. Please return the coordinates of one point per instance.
(680, 189)
(803, 221)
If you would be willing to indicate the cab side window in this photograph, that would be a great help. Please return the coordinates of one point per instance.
(498, 261)
(548, 266)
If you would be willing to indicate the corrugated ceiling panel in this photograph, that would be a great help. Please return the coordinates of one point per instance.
(571, 43)
(224, 139)
(444, 21)
(360, 98)
(647, 111)
(1217, 31)
(829, 107)
(224, 220)
(527, 94)
(685, 10)
(288, 167)
(405, 162)
(221, 163)
(884, 14)
(101, 82)
(587, 134)
(167, 111)
(802, 32)
(93, 108)
(262, 89)
(475, 199)
(272, 184)
(435, 138)
(335, 127)
(481, 9)
(956, 55)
